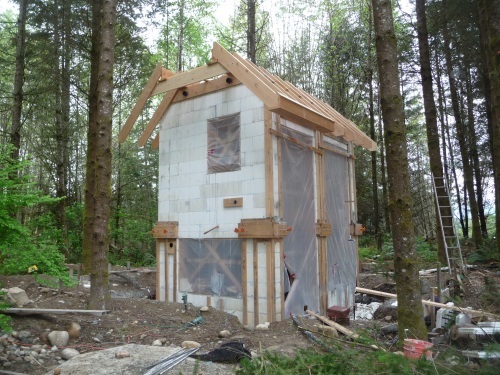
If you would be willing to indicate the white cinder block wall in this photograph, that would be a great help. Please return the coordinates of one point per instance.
(194, 198)
(188, 194)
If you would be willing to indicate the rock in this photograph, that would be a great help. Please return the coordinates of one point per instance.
(57, 371)
(224, 334)
(122, 354)
(74, 330)
(157, 343)
(24, 336)
(69, 353)
(190, 344)
(98, 338)
(204, 309)
(44, 290)
(386, 309)
(327, 330)
(392, 328)
(262, 327)
(59, 338)
(388, 318)
(18, 296)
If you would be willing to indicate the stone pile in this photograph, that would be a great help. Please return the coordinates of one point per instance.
(18, 347)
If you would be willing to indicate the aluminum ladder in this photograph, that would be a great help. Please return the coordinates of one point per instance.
(451, 242)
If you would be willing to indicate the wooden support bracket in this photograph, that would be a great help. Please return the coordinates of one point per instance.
(233, 202)
(323, 229)
(357, 229)
(262, 228)
(166, 229)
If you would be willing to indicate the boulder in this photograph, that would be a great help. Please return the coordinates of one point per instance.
(157, 343)
(58, 338)
(224, 334)
(190, 344)
(69, 353)
(18, 296)
(74, 330)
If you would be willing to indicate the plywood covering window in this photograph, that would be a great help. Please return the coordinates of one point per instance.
(223, 141)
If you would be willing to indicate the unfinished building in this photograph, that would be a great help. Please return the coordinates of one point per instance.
(257, 200)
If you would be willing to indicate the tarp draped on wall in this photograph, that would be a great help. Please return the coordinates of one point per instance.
(341, 248)
(298, 211)
(211, 267)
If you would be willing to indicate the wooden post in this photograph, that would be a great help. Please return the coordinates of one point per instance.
(255, 283)
(244, 280)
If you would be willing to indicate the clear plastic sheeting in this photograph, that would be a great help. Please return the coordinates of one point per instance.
(223, 144)
(301, 260)
(210, 267)
(341, 247)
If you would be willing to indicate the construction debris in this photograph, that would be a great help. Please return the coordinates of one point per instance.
(337, 326)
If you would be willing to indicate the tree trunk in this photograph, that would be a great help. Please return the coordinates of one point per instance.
(60, 130)
(376, 218)
(180, 36)
(400, 202)
(15, 133)
(467, 169)
(100, 131)
(251, 43)
(476, 166)
(383, 178)
(489, 22)
(443, 201)
(446, 142)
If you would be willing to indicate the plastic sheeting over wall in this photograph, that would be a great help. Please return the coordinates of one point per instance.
(211, 267)
(341, 248)
(223, 143)
(300, 253)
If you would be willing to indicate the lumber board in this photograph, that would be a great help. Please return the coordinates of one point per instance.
(241, 71)
(268, 162)
(155, 144)
(141, 102)
(424, 302)
(31, 311)
(162, 108)
(184, 79)
(331, 323)
(206, 87)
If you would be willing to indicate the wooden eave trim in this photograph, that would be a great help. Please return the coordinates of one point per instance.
(244, 73)
(150, 127)
(296, 112)
(194, 75)
(141, 102)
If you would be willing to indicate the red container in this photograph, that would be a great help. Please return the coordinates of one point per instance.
(338, 313)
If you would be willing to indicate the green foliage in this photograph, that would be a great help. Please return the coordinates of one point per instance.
(342, 361)
(486, 252)
(22, 245)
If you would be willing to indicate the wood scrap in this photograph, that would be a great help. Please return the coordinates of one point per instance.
(333, 324)
(31, 311)
(310, 335)
(428, 303)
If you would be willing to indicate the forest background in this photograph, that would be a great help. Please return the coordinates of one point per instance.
(326, 47)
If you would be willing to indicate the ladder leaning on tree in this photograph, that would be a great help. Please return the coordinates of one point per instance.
(449, 232)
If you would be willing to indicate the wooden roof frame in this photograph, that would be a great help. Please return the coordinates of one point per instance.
(227, 70)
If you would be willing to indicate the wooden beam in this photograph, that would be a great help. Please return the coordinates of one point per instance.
(206, 87)
(271, 280)
(165, 73)
(255, 282)
(296, 141)
(268, 161)
(191, 76)
(25, 311)
(428, 303)
(244, 73)
(331, 323)
(156, 142)
(141, 102)
(244, 280)
(165, 103)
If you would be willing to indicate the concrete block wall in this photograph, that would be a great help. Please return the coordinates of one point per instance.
(188, 194)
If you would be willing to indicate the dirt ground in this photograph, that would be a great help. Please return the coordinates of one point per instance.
(142, 320)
